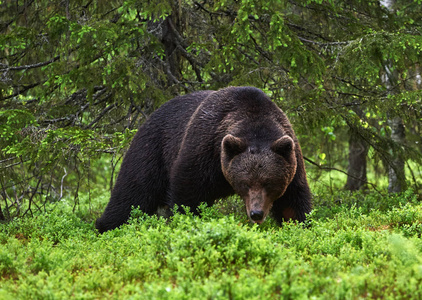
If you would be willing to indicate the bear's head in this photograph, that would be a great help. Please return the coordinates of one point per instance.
(259, 173)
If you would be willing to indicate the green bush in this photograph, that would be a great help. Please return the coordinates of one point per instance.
(343, 251)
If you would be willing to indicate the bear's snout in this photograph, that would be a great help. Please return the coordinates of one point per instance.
(257, 215)
(257, 204)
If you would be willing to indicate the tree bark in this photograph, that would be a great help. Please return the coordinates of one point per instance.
(396, 174)
(356, 172)
(2, 218)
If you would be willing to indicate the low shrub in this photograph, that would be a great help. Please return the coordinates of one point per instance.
(346, 250)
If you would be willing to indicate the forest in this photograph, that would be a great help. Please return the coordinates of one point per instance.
(78, 78)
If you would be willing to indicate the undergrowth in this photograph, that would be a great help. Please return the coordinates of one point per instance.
(353, 246)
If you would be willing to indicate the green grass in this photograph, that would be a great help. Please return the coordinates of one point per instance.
(353, 246)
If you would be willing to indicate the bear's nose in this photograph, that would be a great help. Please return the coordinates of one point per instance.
(257, 215)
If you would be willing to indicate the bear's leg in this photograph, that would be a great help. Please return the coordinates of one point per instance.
(295, 203)
(138, 185)
(190, 187)
(123, 198)
(185, 195)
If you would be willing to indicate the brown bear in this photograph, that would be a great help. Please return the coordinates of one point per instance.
(208, 145)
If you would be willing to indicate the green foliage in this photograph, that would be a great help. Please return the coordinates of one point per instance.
(356, 252)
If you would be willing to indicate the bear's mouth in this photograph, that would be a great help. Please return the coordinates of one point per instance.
(257, 222)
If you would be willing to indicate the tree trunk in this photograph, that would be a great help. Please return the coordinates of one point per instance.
(2, 218)
(356, 173)
(173, 56)
(396, 174)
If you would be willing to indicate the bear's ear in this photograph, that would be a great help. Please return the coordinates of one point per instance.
(232, 146)
(283, 146)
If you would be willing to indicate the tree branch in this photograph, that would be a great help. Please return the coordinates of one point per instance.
(26, 88)
(27, 67)
(181, 45)
(341, 171)
(105, 110)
